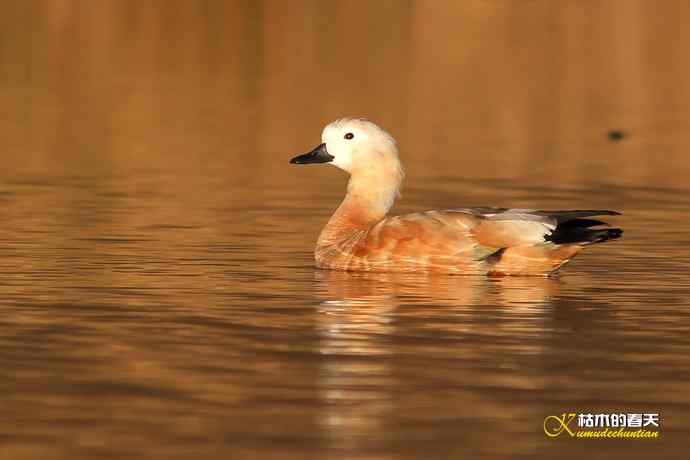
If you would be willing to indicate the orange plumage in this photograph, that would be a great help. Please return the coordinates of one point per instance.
(489, 241)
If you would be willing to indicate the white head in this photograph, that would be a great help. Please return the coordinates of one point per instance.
(357, 143)
(365, 151)
(357, 146)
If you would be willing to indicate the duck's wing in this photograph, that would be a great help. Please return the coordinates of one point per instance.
(506, 228)
(431, 239)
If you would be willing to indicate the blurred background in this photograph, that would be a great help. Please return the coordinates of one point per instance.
(477, 87)
(157, 287)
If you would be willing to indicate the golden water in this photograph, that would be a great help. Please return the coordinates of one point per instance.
(157, 291)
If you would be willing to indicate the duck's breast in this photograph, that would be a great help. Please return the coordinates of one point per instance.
(433, 241)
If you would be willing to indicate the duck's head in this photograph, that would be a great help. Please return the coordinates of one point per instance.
(354, 145)
(369, 154)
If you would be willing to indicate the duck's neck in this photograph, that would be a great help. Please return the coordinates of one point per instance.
(370, 195)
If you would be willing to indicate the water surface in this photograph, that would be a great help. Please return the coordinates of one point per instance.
(157, 286)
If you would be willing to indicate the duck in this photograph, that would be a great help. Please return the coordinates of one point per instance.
(360, 236)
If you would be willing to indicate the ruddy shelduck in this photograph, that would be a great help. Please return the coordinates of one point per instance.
(487, 241)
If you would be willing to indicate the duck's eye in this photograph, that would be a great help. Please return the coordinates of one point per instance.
(349, 136)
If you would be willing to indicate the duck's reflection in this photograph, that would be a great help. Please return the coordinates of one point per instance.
(369, 322)
(368, 293)
(355, 323)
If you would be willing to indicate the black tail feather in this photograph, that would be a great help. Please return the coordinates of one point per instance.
(578, 231)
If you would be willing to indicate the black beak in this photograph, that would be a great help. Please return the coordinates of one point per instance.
(318, 155)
